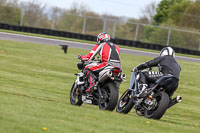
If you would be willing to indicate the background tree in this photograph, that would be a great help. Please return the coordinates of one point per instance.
(94, 26)
(191, 17)
(163, 10)
(3, 2)
(148, 12)
(9, 12)
(176, 12)
(54, 16)
(35, 15)
(72, 19)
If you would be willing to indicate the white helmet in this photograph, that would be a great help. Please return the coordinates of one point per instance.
(167, 51)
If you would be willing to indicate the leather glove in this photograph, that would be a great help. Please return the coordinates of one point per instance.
(135, 69)
(142, 66)
(79, 56)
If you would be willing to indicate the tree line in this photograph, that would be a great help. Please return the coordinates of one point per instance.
(180, 14)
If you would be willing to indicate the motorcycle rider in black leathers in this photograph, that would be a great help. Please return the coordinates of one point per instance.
(167, 66)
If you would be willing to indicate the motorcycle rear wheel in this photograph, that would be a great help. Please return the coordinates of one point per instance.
(125, 103)
(162, 99)
(110, 96)
(75, 96)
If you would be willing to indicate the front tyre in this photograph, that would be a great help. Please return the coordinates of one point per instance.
(125, 103)
(110, 94)
(162, 99)
(75, 96)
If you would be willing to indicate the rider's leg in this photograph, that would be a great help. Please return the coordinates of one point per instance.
(91, 80)
(142, 83)
(145, 79)
(172, 87)
(91, 76)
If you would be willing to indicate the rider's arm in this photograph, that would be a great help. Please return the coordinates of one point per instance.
(88, 56)
(154, 62)
(151, 63)
(97, 48)
(141, 66)
(118, 50)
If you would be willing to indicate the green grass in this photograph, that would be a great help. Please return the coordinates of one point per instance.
(35, 82)
(90, 42)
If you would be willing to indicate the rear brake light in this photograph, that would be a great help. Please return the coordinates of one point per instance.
(115, 72)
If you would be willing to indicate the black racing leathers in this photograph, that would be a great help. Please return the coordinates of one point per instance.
(167, 65)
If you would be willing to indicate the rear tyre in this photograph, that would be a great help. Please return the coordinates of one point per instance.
(110, 94)
(125, 103)
(75, 96)
(162, 99)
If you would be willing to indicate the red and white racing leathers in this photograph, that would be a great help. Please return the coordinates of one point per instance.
(110, 55)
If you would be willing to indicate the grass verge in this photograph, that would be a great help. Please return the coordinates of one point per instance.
(35, 82)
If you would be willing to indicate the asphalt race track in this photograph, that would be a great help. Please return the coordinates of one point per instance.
(41, 40)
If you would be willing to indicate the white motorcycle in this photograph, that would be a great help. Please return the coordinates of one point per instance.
(107, 87)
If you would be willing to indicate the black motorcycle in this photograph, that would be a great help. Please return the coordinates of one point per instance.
(153, 104)
(107, 87)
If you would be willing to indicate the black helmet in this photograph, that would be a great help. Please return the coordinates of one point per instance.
(167, 51)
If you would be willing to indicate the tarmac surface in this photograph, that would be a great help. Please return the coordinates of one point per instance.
(79, 45)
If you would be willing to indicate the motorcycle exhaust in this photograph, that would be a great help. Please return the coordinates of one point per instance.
(174, 101)
(107, 75)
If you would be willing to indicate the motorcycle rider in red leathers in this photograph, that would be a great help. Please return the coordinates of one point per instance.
(110, 56)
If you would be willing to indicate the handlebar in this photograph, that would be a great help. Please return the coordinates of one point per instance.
(138, 71)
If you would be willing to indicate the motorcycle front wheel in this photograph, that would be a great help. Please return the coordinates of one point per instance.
(110, 94)
(75, 96)
(125, 103)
